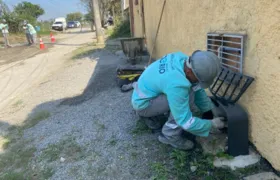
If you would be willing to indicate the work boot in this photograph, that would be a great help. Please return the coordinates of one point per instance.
(180, 143)
(152, 122)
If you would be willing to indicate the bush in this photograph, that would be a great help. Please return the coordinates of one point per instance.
(45, 27)
(15, 21)
(122, 29)
(22, 11)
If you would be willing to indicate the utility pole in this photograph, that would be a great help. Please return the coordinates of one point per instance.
(97, 22)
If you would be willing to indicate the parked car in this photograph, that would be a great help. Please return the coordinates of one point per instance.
(78, 24)
(71, 24)
(59, 24)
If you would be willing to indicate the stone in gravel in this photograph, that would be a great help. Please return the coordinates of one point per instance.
(62, 159)
(193, 168)
(238, 161)
(263, 176)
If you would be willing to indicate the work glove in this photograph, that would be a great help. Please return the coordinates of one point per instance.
(217, 123)
(127, 87)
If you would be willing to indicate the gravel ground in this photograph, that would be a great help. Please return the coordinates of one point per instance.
(101, 121)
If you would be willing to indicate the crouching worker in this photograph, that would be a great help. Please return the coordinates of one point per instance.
(175, 83)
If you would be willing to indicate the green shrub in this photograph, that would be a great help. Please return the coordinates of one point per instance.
(122, 29)
(15, 21)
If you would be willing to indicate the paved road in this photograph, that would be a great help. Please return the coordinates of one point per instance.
(19, 76)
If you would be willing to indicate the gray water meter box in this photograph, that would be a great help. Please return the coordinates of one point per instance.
(227, 90)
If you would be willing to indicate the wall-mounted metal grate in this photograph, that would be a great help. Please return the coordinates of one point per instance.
(229, 48)
(229, 85)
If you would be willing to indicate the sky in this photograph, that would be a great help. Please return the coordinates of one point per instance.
(53, 8)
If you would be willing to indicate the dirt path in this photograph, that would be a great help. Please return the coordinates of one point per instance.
(18, 53)
(20, 73)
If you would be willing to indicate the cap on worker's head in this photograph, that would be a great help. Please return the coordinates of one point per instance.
(25, 22)
(4, 20)
(205, 66)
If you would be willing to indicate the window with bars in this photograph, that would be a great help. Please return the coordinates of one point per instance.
(229, 48)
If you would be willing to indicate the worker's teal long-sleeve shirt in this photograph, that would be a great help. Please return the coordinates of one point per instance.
(29, 29)
(167, 76)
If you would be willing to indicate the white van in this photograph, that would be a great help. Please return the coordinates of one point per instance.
(59, 24)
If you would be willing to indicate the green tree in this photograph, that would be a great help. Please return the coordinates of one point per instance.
(105, 6)
(13, 21)
(26, 9)
(22, 11)
(3, 8)
(88, 17)
(76, 16)
(111, 6)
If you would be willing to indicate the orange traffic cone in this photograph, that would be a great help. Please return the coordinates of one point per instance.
(42, 45)
(52, 38)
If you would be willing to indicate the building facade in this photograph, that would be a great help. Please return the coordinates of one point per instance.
(184, 27)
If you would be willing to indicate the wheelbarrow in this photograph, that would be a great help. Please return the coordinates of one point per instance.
(227, 89)
(128, 74)
(133, 48)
